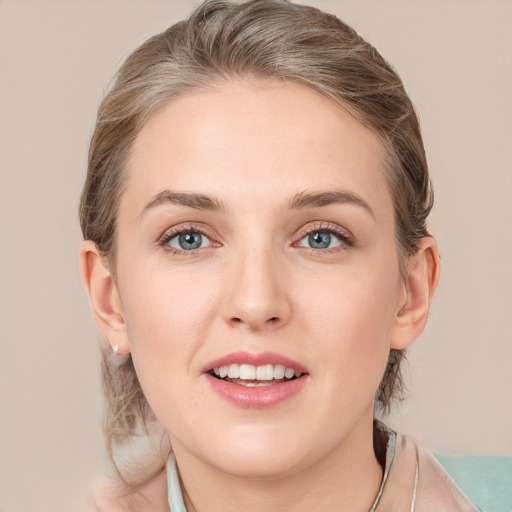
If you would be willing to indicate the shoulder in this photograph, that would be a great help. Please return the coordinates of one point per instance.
(435, 485)
(417, 481)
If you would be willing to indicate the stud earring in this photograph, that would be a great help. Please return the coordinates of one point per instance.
(116, 350)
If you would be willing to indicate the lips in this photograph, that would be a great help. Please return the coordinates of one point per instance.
(255, 380)
(262, 359)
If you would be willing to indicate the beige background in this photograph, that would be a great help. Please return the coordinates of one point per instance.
(56, 58)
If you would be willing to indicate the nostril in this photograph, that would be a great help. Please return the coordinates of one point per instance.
(255, 323)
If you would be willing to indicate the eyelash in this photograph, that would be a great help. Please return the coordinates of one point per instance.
(347, 239)
(182, 230)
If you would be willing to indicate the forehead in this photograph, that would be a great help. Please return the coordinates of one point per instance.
(260, 140)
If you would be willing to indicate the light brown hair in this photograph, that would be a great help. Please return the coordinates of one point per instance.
(264, 39)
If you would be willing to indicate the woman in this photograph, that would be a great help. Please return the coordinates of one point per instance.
(257, 255)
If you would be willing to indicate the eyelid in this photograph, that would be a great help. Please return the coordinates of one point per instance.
(344, 234)
(188, 227)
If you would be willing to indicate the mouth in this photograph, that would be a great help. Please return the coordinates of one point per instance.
(256, 380)
(255, 376)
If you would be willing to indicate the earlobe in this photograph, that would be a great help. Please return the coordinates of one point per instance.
(103, 296)
(419, 286)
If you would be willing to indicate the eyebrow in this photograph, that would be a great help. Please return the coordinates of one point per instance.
(192, 200)
(300, 201)
(318, 199)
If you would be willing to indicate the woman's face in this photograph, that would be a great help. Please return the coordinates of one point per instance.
(256, 228)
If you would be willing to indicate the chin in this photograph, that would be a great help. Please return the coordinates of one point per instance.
(259, 455)
(263, 466)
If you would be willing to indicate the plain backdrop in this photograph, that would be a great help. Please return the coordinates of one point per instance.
(56, 59)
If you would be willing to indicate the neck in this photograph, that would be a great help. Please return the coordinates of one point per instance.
(346, 479)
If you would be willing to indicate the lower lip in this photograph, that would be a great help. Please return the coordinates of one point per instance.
(256, 397)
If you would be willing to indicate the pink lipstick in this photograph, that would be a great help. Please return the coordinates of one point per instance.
(255, 380)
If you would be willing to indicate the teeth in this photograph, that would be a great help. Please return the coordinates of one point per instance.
(279, 371)
(249, 372)
(265, 372)
(234, 371)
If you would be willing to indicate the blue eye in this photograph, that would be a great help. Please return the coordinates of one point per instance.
(189, 241)
(320, 240)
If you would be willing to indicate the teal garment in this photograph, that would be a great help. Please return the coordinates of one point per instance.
(487, 481)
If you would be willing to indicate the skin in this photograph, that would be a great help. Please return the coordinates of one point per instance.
(257, 285)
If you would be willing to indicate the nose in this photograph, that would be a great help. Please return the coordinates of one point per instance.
(257, 295)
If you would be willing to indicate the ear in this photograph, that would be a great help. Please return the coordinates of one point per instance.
(423, 269)
(103, 296)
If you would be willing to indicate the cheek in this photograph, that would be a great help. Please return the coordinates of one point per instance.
(363, 298)
(167, 319)
(162, 332)
(352, 318)
(162, 307)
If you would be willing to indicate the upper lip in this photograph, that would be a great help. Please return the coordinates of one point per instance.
(260, 359)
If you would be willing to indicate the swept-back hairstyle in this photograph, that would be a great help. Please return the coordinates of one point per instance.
(258, 39)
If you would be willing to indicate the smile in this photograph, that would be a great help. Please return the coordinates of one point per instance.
(253, 376)
(255, 380)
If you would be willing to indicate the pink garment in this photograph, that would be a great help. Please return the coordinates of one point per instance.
(415, 480)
